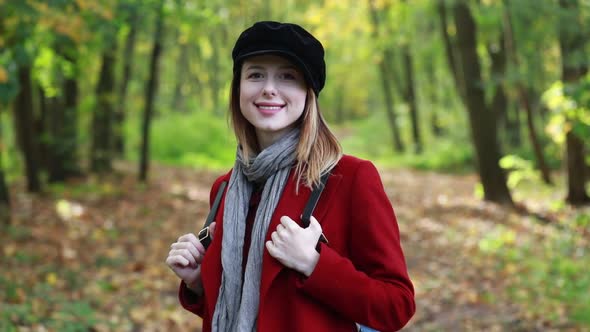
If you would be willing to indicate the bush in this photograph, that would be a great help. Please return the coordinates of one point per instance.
(196, 139)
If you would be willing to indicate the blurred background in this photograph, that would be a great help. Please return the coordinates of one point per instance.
(113, 126)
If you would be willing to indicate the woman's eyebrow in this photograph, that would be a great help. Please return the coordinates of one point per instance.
(289, 66)
(254, 66)
(248, 67)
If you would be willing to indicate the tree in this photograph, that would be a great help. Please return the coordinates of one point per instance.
(523, 96)
(571, 44)
(387, 74)
(102, 119)
(120, 110)
(63, 131)
(25, 130)
(409, 92)
(481, 119)
(4, 193)
(150, 91)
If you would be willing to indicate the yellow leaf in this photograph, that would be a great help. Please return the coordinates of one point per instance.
(3, 75)
(51, 278)
(9, 249)
(140, 314)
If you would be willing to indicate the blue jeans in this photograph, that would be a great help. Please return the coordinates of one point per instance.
(363, 328)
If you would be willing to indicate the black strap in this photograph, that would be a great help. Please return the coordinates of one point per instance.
(312, 202)
(204, 236)
(215, 206)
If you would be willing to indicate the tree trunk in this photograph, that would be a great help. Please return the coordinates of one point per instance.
(524, 97)
(450, 49)
(52, 119)
(571, 43)
(497, 53)
(42, 128)
(435, 125)
(410, 97)
(102, 120)
(25, 128)
(513, 126)
(69, 134)
(182, 64)
(4, 192)
(482, 122)
(119, 116)
(61, 124)
(385, 73)
(150, 93)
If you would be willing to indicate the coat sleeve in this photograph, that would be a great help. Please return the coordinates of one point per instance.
(189, 300)
(371, 286)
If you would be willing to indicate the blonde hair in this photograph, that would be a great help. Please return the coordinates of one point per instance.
(318, 150)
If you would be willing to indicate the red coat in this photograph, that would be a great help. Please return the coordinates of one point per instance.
(361, 275)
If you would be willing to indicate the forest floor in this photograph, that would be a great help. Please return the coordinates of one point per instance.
(90, 255)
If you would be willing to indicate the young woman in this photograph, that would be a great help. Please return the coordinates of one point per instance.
(264, 271)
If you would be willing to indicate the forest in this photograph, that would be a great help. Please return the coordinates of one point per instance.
(114, 125)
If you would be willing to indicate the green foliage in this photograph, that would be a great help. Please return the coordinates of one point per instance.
(570, 107)
(551, 273)
(94, 187)
(16, 232)
(44, 306)
(519, 170)
(197, 139)
(371, 139)
(8, 78)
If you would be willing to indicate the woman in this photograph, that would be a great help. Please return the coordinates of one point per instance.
(263, 271)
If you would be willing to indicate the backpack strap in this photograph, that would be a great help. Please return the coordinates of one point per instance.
(204, 235)
(312, 202)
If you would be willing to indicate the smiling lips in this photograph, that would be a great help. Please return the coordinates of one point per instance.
(269, 108)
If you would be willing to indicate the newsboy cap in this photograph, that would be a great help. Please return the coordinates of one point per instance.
(285, 39)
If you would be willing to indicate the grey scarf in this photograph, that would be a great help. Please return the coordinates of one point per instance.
(237, 304)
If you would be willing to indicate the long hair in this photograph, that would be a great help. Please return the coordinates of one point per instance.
(318, 150)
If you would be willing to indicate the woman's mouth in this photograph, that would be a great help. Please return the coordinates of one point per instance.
(269, 109)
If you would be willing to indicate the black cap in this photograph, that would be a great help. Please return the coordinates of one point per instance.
(285, 39)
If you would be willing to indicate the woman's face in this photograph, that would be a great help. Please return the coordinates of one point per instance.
(272, 96)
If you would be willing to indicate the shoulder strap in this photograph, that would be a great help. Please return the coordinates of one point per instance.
(215, 206)
(204, 236)
(312, 202)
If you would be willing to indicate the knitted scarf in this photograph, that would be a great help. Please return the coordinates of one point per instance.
(237, 304)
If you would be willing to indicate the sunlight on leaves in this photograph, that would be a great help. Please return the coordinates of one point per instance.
(520, 170)
(68, 210)
(51, 278)
(497, 239)
(3, 75)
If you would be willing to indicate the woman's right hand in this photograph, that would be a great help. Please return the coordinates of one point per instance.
(185, 259)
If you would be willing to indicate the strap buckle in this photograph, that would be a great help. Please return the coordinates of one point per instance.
(205, 237)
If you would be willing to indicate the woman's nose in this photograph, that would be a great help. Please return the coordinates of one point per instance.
(269, 88)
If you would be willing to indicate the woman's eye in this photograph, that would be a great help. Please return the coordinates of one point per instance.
(288, 76)
(254, 76)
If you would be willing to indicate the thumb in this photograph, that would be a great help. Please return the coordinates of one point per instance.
(212, 229)
(314, 224)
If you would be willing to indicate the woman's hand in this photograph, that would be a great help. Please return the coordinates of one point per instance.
(185, 259)
(294, 246)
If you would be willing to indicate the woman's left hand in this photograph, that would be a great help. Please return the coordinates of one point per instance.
(294, 246)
